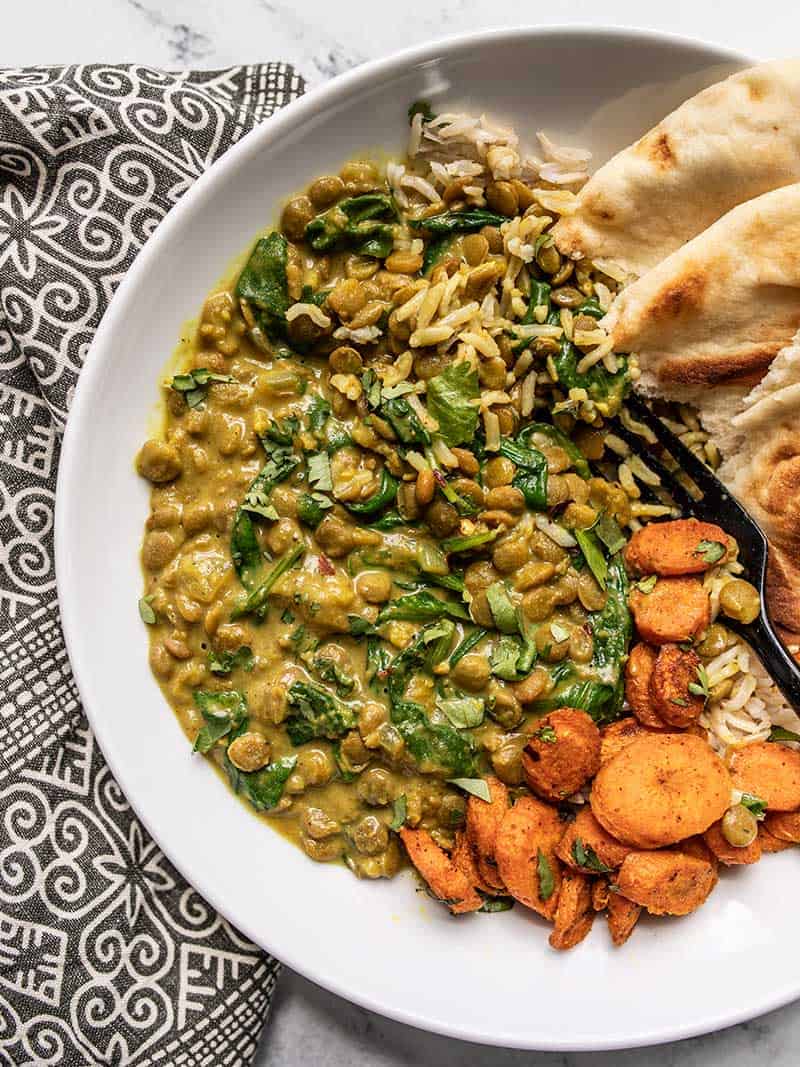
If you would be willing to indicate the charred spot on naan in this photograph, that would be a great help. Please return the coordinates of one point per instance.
(744, 368)
(757, 87)
(681, 296)
(656, 147)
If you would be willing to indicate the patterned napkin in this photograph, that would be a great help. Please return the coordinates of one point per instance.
(106, 955)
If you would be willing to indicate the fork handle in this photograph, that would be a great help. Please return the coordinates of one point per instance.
(779, 663)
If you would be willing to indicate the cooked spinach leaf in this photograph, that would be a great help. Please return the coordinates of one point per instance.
(264, 788)
(503, 612)
(399, 812)
(547, 882)
(245, 549)
(330, 671)
(612, 628)
(194, 384)
(257, 600)
(466, 645)
(493, 904)
(429, 647)
(448, 397)
(462, 712)
(263, 284)
(610, 533)
(435, 747)
(434, 251)
(421, 606)
(469, 541)
(421, 107)
(531, 476)
(602, 386)
(780, 733)
(452, 222)
(317, 713)
(593, 554)
(224, 662)
(403, 419)
(311, 508)
(586, 857)
(385, 494)
(554, 436)
(222, 711)
(355, 224)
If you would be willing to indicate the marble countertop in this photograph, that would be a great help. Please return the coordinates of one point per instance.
(323, 39)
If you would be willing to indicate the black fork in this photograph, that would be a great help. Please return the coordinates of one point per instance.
(711, 502)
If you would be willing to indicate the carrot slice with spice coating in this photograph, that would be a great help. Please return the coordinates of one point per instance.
(674, 671)
(785, 825)
(562, 755)
(731, 855)
(574, 914)
(660, 789)
(446, 880)
(615, 736)
(770, 843)
(526, 857)
(638, 678)
(770, 771)
(622, 916)
(677, 609)
(683, 546)
(665, 883)
(587, 833)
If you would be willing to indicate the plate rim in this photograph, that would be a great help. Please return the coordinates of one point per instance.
(338, 89)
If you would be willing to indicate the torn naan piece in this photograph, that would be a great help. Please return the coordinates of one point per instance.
(732, 142)
(762, 468)
(715, 313)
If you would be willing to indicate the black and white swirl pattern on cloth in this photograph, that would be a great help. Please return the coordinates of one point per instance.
(106, 955)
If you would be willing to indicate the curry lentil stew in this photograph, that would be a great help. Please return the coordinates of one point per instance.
(387, 581)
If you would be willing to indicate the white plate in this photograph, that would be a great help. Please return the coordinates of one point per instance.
(488, 978)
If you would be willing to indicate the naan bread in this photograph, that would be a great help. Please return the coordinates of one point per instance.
(715, 313)
(732, 142)
(763, 470)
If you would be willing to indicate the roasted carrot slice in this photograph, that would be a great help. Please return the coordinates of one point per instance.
(600, 894)
(674, 671)
(562, 755)
(587, 846)
(665, 883)
(660, 789)
(770, 771)
(770, 843)
(638, 677)
(574, 914)
(615, 736)
(731, 855)
(483, 818)
(622, 916)
(447, 881)
(677, 609)
(684, 546)
(526, 857)
(785, 825)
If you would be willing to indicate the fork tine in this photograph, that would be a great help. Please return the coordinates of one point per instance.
(669, 481)
(685, 459)
(717, 503)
